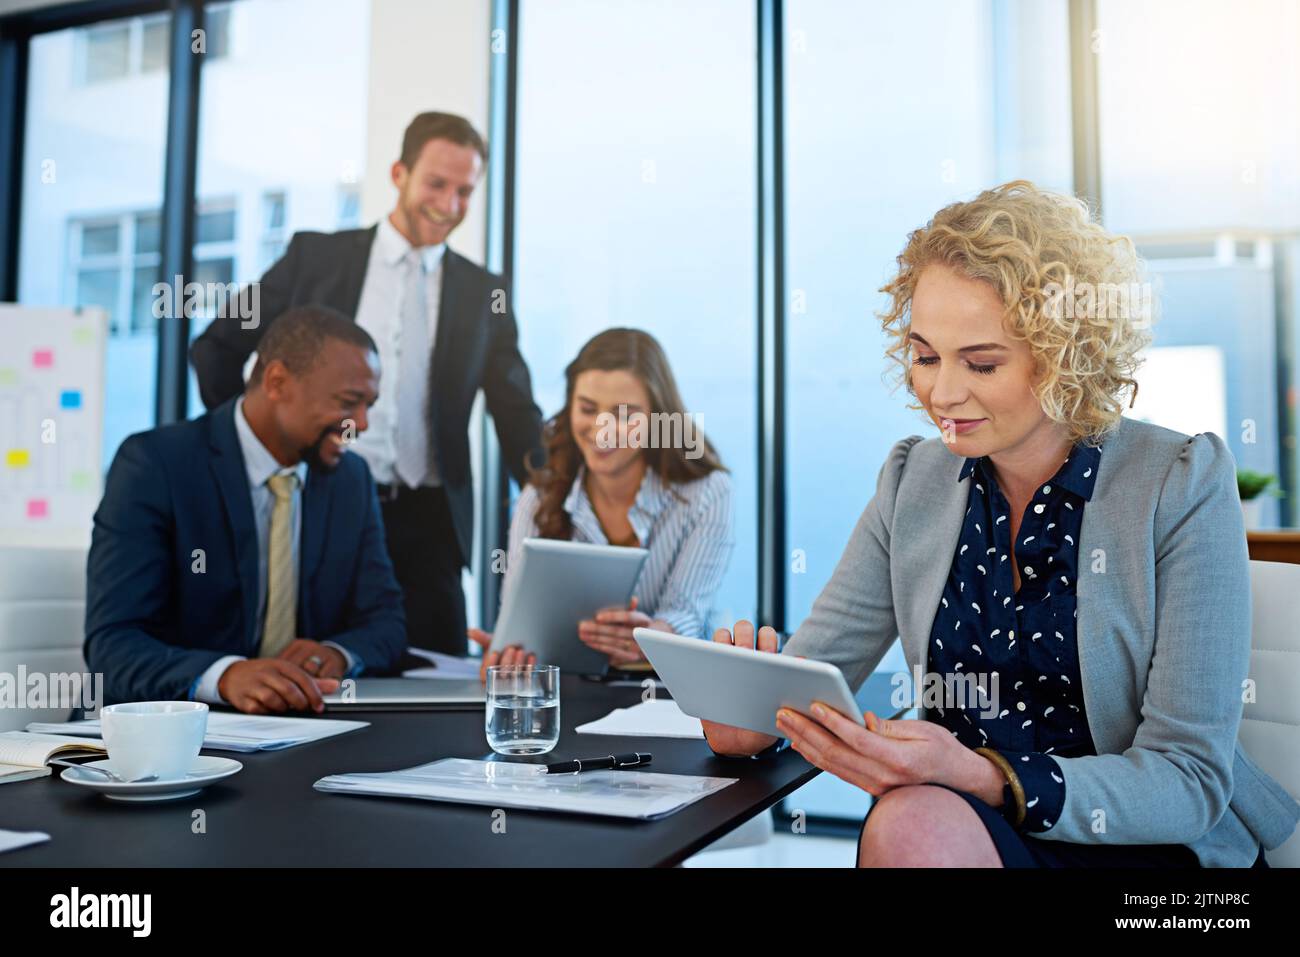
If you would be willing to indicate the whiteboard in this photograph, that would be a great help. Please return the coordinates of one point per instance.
(51, 423)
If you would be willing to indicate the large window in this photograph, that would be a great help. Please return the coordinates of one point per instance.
(281, 136)
(636, 207)
(892, 111)
(92, 187)
(1200, 135)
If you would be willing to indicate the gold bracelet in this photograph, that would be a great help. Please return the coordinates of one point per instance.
(1013, 779)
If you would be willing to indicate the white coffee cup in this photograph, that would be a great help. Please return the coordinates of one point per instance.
(161, 738)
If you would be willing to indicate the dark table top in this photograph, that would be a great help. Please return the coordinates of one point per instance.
(269, 815)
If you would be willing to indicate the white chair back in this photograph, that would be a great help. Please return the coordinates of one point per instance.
(42, 622)
(1270, 725)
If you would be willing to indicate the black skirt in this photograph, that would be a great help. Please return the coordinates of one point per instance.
(1023, 850)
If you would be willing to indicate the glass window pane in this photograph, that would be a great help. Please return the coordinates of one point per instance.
(273, 211)
(99, 239)
(93, 154)
(215, 226)
(892, 111)
(99, 287)
(216, 23)
(323, 76)
(1212, 199)
(142, 298)
(148, 233)
(107, 51)
(636, 207)
(211, 273)
(155, 51)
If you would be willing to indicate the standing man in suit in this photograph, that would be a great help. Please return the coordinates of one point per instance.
(239, 558)
(444, 330)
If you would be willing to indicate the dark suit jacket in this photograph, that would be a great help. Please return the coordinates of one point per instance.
(156, 620)
(476, 347)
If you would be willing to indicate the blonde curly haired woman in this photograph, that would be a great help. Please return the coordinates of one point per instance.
(1073, 585)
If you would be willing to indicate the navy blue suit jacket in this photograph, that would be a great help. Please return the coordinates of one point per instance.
(172, 574)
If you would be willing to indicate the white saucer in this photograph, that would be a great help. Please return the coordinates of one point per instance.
(203, 772)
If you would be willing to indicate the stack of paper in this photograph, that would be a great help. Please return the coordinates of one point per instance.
(243, 733)
(657, 718)
(635, 794)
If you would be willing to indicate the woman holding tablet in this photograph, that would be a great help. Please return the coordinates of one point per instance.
(627, 465)
(1072, 587)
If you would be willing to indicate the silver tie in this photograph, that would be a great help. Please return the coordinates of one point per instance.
(412, 464)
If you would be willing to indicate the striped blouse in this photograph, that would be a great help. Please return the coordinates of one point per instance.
(686, 527)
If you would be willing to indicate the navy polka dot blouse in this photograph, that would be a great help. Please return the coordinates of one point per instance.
(1021, 646)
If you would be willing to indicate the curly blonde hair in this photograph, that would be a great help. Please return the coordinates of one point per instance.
(1048, 260)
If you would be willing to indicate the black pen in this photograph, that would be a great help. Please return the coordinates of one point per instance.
(634, 759)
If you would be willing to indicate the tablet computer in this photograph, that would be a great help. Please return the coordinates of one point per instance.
(740, 686)
(407, 694)
(557, 585)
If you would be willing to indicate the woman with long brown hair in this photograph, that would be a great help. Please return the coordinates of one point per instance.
(628, 465)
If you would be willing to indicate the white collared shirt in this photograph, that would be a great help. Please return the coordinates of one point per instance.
(379, 312)
(260, 465)
(686, 527)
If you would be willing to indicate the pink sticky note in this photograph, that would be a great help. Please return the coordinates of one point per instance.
(43, 358)
(37, 508)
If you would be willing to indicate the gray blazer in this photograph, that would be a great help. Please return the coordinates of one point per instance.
(1163, 634)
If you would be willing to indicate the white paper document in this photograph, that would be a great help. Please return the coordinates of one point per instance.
(657, 718)
(242, 733)
(12, 840)
(633, 794)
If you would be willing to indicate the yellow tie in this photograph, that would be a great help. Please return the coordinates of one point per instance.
(281, 586)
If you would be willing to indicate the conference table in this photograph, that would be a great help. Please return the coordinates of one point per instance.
(268, 815)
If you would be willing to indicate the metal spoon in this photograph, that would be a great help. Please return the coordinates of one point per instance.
(111, 775)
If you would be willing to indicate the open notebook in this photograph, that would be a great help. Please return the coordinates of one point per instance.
(24, 755)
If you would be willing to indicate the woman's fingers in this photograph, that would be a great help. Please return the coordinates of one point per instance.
(743, 634)
(591, 630)
(823, 749)
(610, 645)
(514, 655)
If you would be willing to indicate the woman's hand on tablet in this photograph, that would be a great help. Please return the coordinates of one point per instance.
(611, 633)
(481, 638)
(883, 755)
(723, 738)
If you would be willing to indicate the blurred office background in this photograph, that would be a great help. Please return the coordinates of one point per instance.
(735, 176)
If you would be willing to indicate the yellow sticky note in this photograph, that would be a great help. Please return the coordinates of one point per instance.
(18, 458)
(8, 376)
(83, 336)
